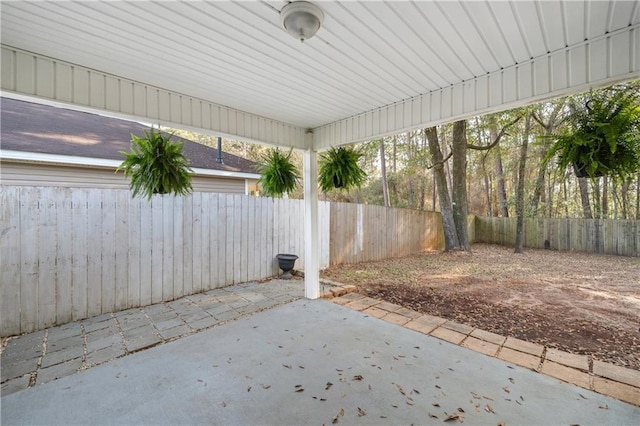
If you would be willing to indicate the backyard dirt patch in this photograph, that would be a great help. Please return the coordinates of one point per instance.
(580, 303)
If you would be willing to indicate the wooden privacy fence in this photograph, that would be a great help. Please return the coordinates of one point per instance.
(363, 232)
(606, 236)
(72, 253)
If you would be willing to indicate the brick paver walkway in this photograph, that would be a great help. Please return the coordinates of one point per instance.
(43, 356)
(608, 379)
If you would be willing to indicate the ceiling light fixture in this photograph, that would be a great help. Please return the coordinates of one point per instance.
(301, 19)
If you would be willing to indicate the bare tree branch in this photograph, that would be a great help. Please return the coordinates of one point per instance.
(497, 140)
(443, 160)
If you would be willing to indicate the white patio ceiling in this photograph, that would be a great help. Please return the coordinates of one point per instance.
(374, 67)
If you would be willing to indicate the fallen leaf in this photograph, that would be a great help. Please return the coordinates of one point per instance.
(452, 417)
(357, 377)
(416, 391)
(433, 416)
(394, 405)
(506, 389)
(435, 404)
(201, 381)
(438, 387)
(400, 389)
(489, 409)
(249, 389)
(511, 380)
(335, 420)
(323, 399)
(266, 386)
(341, 412)
(361, 412)
(604, 407)
(286, 366)
(328, 386)
(583, 397)
(300, 390)
(297, 386)
(460, 410)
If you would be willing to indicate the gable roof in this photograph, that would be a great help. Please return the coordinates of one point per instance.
(37, 128)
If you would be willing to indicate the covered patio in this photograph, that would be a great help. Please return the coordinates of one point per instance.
(373, 69)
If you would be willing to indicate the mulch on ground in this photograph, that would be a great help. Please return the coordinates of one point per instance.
(580, 303)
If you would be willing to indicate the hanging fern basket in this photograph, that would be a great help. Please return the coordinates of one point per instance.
(156, 165)
(339, 169)
(278, 173)
(604, 139)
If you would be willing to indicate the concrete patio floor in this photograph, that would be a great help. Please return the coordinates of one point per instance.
(310, 362)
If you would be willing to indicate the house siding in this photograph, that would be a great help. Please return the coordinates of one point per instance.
(24, 174)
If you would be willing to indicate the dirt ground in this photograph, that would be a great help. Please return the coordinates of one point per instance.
(576, 302)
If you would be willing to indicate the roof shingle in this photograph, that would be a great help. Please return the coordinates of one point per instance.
(32, 127)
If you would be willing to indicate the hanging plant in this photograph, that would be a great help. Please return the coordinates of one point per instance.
(604, 139)
(156, 165)
(278, 174)
(339, 169)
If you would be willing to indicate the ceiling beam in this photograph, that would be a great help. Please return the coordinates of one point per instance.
(29, 74)
(594, 63)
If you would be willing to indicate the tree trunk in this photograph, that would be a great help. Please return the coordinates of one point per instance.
(450, 236)
(539, 187)
(520, 190)
(584, 196)
(487, 190)
(626, 184)
(383, 172)
(502, 192)
(434, 191)
(638, 197)
(460, 206)
(597, 207)
(605, 197)
(447, 169)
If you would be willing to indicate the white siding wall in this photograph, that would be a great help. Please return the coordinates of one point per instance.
(25, 174)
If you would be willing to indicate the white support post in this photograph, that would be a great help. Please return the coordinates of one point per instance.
(311, 241)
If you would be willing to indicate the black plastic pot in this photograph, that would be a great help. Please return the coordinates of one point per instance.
(286, 262)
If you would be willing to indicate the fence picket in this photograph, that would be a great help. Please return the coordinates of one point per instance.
(10, 266)
(79, 267)
(64, 256)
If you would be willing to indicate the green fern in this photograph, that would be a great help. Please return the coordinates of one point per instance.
(278, 174)
(156, 165)
(605, 135)
(339, 169)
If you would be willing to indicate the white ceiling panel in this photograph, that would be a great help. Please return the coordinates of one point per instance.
(368, 55)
